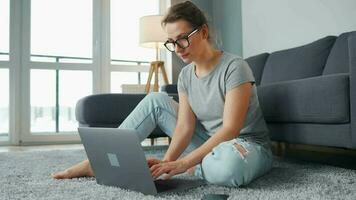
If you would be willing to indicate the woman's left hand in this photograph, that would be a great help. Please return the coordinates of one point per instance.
(170, 168)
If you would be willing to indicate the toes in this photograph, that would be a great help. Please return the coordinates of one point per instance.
(60, 175)
(55, 175)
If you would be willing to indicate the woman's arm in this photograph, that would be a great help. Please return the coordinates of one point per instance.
(184, 130)
(235, 109)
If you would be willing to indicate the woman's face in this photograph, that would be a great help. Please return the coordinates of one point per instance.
(181, 29)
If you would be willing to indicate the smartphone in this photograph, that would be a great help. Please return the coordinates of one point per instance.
(215, 197)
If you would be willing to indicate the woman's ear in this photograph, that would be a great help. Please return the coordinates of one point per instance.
(205, 31)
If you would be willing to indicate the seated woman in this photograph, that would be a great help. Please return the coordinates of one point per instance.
(218, 119)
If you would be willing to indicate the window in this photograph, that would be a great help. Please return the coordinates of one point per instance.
(59, 33)
(4, 104)
(62, 51)
(124, 42)
(54, 94)
(4, 69)
(125, 29)
(73, 85)
(61, 62)
(4, 27)
(43, 100)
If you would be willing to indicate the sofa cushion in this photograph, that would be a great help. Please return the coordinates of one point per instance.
(338, 60)
(297, 63)
(257, 64)
(322, 99)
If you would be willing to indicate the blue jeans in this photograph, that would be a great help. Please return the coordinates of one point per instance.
(225, 165)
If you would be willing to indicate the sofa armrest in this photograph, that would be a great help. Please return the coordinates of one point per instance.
(107, 110)
(257, 64)
(110, 110)
(352, 57)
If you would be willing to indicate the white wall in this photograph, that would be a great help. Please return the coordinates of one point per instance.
(273, 25)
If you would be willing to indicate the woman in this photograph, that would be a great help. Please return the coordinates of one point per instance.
(219, 117)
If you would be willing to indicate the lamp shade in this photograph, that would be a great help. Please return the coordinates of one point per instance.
(152, 34)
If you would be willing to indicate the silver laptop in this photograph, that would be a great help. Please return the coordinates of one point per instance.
(117, 159)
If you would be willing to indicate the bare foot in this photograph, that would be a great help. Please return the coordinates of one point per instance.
(79, 170)
(191, 171)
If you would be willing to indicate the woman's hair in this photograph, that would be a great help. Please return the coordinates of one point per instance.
(190, 13)
(186, 11)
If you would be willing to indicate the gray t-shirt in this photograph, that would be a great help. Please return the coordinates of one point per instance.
(206, 96)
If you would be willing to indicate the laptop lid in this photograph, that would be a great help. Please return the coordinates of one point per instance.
(117, 158)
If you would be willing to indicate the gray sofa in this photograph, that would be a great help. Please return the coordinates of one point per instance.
(307, 94)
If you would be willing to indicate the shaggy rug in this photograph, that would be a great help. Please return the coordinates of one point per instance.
(26, 175)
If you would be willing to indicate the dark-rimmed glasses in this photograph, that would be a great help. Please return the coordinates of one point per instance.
(181, 42)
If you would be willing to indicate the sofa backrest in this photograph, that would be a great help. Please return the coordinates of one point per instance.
(299, 62)
(338, 60)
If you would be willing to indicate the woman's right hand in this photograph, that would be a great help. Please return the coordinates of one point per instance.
(153, 161)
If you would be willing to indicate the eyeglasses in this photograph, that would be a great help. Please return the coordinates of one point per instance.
(181, 42)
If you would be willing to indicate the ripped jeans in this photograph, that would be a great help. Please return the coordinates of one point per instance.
(231, 163)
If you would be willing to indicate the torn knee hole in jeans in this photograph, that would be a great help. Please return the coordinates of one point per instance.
(242, 150)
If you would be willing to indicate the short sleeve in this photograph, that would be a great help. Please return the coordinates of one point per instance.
(238, 72)
(181, 84)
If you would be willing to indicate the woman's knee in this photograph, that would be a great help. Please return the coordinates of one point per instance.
(224, 166)
(157, 97)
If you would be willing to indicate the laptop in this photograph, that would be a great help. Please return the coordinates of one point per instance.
(117, 159)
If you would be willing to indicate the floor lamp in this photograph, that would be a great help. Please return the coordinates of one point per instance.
(152, 35)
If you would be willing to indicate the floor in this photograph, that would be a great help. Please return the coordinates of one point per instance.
(40, 147)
